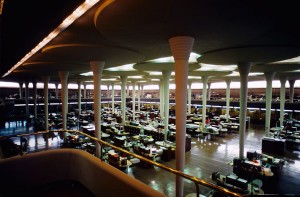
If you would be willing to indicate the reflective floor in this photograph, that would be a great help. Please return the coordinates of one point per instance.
(208, 156)
(205, 157)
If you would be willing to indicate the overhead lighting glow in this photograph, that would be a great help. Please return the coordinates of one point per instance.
(87, 74)
(193, 59)
(68, 21)
(135, 77)
(111, 79)
(237, 74)
(1, 6)
(255, 74)
(234, 74)
(292, 60)
(212, 67)
(158, 73)
(163, 60)
(155, 73)
(126, 67)
(194, 77)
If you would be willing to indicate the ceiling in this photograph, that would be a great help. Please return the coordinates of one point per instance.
(122, 32)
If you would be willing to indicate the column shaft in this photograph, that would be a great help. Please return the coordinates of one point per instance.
(208, 91)
(190, 98)
(127, 93)
(204, 96)
(244, 69)
(46, 98)
(113, 98)
(133, 100)
(167, 75)
(97, 68)
(227, 99)
(20, 89)
(107, 92)
(27, 97)
(181, 47)
(84, 91)
(123, 98)
(79, 98)
(142, 90)
(46, 113)
(63, 75)
(282, 99)
(139, 97)
(269, 77)
(291, 95)
(161, 98)
(34, 84)
(56, 90)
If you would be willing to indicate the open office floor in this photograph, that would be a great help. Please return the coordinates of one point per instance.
(206, 156)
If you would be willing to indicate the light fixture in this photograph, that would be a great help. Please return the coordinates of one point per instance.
(68, 21)
(1, 6)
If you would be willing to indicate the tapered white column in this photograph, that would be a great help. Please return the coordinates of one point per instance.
(204, 96)
(139, 97)
(133, 100)
(20, 89)
(161, 99)
(113, 98)
(181, 47)
(63, 75)
(291, 96)
(26, 98)
(46, 104)
(123, 98)
(282, 99)
(107, 92)
(34, 84)
(227, 98)
(208, 91)
(244, 69)
(189, 97)
(97, 67)
(56, 90)
(127, 93)
(46, 98)
(269, 78)
(84, 91)
(79, 98)
(34, 99)
(142, 89)
(167, 75)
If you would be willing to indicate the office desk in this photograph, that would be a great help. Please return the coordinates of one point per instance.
(196, 119)
(210, 132)
(165, 144)
(223, 131)
(255, 190)
(120, 164)
(275, 129)
(233, 127)
(273, 146)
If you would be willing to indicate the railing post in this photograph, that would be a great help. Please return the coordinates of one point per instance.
(197, 188)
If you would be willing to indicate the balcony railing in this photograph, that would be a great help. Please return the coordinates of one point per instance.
(102, 143)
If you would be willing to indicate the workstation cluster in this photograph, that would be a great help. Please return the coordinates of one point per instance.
(282, 139)
(251, 175)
